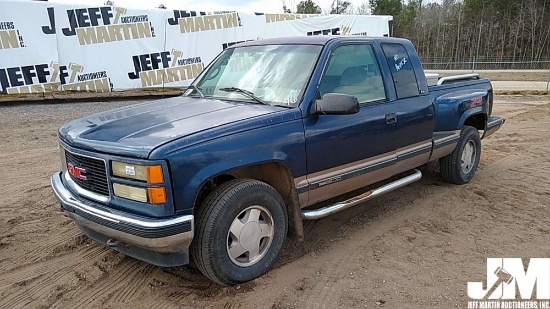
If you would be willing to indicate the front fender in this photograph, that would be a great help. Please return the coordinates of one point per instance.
(223, 167)
(191, 167)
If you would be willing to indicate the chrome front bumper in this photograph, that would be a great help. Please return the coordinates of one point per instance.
(163, 242)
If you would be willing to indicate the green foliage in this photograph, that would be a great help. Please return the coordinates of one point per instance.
(386, 7)
(308, 7)
(404, 21)
(339, 7)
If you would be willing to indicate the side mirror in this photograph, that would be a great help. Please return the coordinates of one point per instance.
(336, 104)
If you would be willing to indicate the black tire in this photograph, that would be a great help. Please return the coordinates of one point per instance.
(214, 218)
(452, 168)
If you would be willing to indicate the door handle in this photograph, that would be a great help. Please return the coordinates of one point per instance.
(391, 118)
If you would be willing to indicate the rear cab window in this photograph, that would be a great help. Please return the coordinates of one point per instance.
(403, 75)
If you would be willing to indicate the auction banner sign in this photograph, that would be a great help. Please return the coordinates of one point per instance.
(62, 47)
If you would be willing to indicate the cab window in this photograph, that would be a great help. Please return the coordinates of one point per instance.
(401, 70)
(353, 70)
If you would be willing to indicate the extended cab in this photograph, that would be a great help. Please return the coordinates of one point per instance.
(269, 129)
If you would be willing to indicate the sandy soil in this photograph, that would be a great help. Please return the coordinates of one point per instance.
(416, 247)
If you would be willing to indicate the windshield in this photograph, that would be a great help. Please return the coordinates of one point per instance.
(274, 74)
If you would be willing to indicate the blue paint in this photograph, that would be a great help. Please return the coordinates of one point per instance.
(196, 139)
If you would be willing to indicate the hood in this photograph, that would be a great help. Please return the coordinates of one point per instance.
(137, 129)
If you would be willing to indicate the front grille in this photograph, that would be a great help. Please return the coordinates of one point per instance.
(96, 174)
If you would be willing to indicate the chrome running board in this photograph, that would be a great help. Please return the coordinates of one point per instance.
(329, 210)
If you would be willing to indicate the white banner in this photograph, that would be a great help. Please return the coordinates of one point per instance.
(59, 47)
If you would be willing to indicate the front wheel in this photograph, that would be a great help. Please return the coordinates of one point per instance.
(460, 166)
(240, 231)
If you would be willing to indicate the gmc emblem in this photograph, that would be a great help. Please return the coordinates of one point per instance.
(76, 171)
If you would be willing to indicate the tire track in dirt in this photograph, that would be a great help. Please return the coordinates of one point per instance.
(135, 286)
(62, 263)
(118, 279)
(51, 276)
(40, 223)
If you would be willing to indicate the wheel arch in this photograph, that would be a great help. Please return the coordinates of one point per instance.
(476, 120)
(276, 174)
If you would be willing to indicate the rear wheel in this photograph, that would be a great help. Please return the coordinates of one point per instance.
(460, 166)
(240, 232)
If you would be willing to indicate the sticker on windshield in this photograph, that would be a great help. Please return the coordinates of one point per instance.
(292, 97)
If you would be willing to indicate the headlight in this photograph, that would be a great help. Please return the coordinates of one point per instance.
(155, 195)
(130, 192)
(150, 173)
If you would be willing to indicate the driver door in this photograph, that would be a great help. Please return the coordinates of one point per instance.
(347, 152)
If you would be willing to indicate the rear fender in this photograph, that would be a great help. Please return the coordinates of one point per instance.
(472, 104)
(454, 109)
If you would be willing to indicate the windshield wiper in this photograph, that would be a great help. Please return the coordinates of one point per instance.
(198, 90)
(246, 92)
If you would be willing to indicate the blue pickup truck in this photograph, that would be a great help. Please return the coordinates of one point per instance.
(223, 174)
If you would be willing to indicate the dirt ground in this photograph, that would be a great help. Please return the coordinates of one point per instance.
(416, 247)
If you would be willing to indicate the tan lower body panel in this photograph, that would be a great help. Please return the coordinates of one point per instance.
(329, 183)
(444, 144)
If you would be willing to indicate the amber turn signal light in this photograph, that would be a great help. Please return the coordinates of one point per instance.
(157, 195)
(154, 174)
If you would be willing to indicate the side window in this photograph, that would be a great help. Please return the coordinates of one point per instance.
(402, 71)
(353, 70)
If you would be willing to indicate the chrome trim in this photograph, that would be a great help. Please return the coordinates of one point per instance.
(442, 80)
(174, 243)
(65, 196)
(329, 210)
(62, 157)
(82, 191)
(171, 243)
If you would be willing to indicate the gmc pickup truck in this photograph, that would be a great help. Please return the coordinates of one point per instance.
(221, 175)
